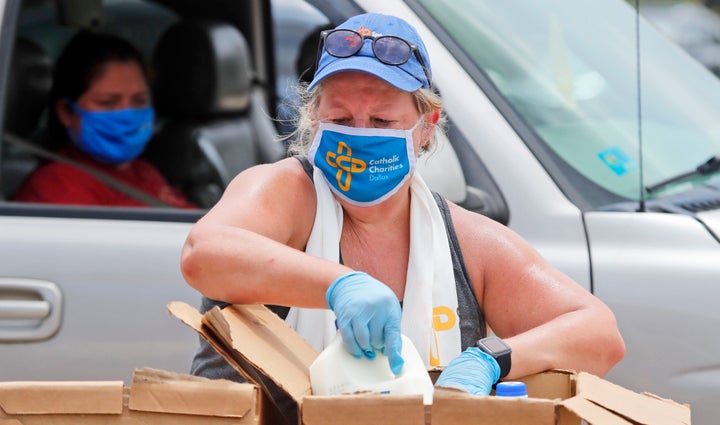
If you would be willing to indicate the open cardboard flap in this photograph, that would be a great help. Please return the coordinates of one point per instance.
(261, 346)
(271, 354)
(601, 402)
(260, 338)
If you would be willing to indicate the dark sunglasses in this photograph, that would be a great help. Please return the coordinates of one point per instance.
(388, 49)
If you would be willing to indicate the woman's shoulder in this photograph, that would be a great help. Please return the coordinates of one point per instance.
(280, 193)
(288, 172)
(480, 233)
(294, 165)
(284, 181)
(465, 218)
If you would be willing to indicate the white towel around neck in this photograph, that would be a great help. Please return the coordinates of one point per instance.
(430, 284)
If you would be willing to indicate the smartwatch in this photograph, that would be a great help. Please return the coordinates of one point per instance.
(499, 350)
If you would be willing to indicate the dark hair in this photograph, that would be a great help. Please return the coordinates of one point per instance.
(81, 62)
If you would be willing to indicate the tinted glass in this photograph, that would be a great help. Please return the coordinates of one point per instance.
(570, 69)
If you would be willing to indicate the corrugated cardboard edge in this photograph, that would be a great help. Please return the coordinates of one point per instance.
(192, 318)
(45, 397)
(282, 406)
(167, 392)
(364, 409)
(551, 384)
(268, 343)
(640, 408)
(587, 409)
(452, 407)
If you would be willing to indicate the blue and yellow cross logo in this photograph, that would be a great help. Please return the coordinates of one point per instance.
(346, 165)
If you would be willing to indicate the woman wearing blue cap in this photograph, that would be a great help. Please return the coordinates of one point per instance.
(348, 231)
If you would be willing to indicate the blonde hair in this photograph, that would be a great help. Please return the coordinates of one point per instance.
(306, 126)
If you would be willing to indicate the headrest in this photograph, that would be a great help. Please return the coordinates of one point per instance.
(202, 68)
(30, 81)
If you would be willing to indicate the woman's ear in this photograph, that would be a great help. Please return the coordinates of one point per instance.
(431, 119)
(64, 113)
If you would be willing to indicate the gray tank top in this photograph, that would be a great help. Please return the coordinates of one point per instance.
(208, 363)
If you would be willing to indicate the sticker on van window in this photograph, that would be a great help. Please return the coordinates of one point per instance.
(617, 160)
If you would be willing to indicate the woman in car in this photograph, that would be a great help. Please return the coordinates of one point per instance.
(348, 231)
(100, 122)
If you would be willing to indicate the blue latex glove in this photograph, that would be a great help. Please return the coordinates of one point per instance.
(473, 371)
(368, 317)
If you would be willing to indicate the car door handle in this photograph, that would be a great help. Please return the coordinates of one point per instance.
(24, 310)
(30, 309)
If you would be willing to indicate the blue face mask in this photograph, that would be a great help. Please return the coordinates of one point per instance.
(363, 166)
(113, 137)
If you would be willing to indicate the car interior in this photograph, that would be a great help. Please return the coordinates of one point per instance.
(214, 117)
(218, 107)
(30, 79)
(215, 122)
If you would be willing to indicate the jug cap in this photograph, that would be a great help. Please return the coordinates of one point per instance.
(511, 389)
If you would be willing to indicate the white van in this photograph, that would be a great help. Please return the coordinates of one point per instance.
(571, 121)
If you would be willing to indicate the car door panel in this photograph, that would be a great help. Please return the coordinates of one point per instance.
(661, 282)
(115, 278)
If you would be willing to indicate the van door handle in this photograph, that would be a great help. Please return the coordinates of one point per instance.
(24, 310)
(30, 309)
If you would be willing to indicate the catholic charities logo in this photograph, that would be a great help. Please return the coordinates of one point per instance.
(346, 165)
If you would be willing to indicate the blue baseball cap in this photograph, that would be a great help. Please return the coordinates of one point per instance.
(408, 77)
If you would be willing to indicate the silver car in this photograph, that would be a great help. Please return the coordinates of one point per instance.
(573, 122)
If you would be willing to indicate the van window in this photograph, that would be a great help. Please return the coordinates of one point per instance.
(566, 67)
(45, 26)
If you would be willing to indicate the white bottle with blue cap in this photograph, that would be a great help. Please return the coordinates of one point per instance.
(336, 371)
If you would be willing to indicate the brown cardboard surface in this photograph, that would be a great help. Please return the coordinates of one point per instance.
(128, 417)
(454, 407)
(588, 409)
(363, 409)
(553, 384)
(156, 397)
(61, 397)
(191, 317)
(641, 408)
(254, 339)
(274, 406)
(266, 341)
(167, 392)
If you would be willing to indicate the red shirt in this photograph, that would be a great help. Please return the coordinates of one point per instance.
(62, 183)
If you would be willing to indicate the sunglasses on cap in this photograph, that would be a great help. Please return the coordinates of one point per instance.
(388, 49)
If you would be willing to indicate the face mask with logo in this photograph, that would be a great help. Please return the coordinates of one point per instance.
(113, 137)
(363, 166)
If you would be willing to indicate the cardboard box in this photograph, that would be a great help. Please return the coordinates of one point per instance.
(155, 397)
(272, 355)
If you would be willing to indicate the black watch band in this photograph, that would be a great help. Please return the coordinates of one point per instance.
(499, 350)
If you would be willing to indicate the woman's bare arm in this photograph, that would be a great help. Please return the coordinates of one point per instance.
(548, 319)
(249, 247)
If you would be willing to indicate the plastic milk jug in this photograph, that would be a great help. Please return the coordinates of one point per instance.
(336, 371)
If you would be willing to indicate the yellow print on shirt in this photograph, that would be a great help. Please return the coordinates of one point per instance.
(444, 319)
